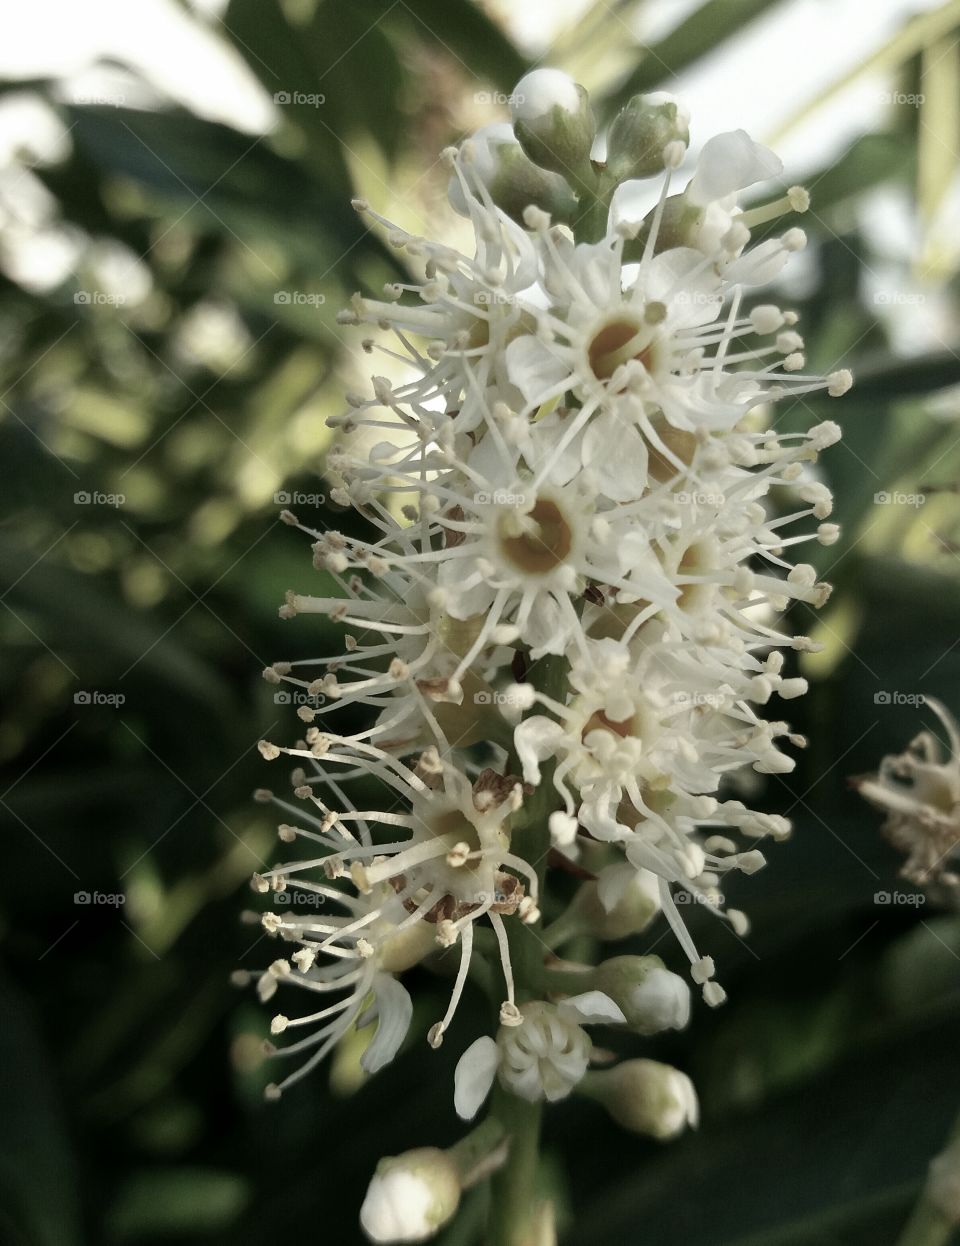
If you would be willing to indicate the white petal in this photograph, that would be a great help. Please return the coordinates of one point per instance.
(618, 454)
(474, 1076)
(534, 368)
(394, 1008)
(591, 1008)
(690, 288)
(536, 739)
(728, 163)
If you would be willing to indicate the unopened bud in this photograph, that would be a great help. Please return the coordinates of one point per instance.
(494, 158)
(411, 1196)
(648, 994)
(553, 120)
(642, 131)
(646, 1097)
(623, 901)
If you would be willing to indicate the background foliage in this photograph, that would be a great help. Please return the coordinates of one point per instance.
(129, 1067)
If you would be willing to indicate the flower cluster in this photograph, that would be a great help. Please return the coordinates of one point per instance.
(919, 791)
(564, 613)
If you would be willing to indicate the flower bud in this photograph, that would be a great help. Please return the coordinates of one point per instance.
(641, 131)
(649, 995)
(680, 226)
(623, 901)
(411, 1196)
(495, 159)
(553, 120)
(646, 1097)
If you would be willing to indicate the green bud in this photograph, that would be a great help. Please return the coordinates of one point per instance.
(493, 157)
(554, 122)
(679, 223)
(641, 132)
(646, 1097)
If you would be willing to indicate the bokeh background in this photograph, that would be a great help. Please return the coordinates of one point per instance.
(175, 241)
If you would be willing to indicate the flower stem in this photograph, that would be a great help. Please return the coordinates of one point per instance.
(513, 1205)
(514, 1208)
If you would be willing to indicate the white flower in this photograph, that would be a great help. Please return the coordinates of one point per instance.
(449, 869)
(919, 791)
(542, 1054)
(348, 961)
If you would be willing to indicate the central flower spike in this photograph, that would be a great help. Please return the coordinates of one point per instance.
(573, 557)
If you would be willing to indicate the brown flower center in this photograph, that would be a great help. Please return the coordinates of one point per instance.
(614, 345)
(545, 543)
(600, 722)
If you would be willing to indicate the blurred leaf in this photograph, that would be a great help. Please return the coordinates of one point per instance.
(863, 1132)
(174, 1202)
(703, 31)
(465, 31)
(918, 374)
(221, 181)
(39, 1203)
(918, 33)
(938, 141)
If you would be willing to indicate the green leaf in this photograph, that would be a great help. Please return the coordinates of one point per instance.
(218, 181)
